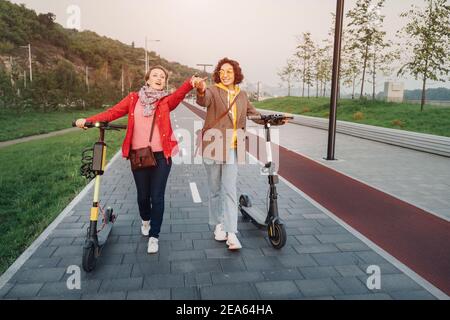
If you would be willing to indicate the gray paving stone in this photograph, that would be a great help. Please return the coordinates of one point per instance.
(44, 252)
(41, 263)
(316, 248)
(105, 296)
(371, 257)
(24, 290)
(232, 265)
(337, 238)
(374, 296)
(352, 246)
(55, 242)
(39, 275)
(185, 293)
(283, 274)
(299, 260)
(105, 272)
(139, 258)
(68, 251)
(318, 272)
(197, 279)
(195, 266)
(272, 290)
(350, 271)
(127, 284)
(148, 268)
(263, 263)
(229, 292)
(351, 285)
(208, 244)
(191, 235)
(186, 255)
(59, 289)
(163, 281)
(236, 277)
(307, 239)
(335, 259)
(318, 287)
(154, 294)
(412, 295)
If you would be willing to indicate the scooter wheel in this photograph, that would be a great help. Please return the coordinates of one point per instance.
(89, 259)
(277, 235)
(244, 200)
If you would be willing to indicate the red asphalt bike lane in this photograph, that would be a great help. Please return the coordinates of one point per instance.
(415, 237)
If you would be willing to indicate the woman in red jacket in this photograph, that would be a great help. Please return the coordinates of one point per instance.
(141, 107)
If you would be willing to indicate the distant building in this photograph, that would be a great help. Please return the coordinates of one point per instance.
(394, 91)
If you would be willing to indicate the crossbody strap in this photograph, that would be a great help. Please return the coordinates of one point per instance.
(153, 126)
(223, 114)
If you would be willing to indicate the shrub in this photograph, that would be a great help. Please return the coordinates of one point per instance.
(358, 116)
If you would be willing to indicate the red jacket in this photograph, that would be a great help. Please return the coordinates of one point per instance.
(164, 107)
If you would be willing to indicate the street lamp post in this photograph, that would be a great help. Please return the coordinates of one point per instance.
(146, 53)
(204, 65)
(335, 80)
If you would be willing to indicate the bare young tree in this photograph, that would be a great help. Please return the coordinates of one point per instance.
(288, 74)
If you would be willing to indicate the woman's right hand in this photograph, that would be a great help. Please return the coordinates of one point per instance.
(80, 123)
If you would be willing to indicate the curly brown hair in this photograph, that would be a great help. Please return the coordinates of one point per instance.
(238, 76)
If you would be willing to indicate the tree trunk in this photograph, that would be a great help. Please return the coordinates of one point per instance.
(374, 75)
(423, 93)
(317, 87)
(354, 86)
(364, 72)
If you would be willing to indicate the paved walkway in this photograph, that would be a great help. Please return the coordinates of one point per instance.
(322, 260)
(36, 137)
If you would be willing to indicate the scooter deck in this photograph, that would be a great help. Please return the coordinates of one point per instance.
(103, 234)
(255, 214)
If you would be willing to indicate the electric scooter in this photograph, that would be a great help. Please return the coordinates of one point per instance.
(270, 219)
(93, 164)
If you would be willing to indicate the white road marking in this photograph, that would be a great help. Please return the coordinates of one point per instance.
(195, 194)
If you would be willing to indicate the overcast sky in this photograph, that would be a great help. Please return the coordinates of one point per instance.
(260, 34)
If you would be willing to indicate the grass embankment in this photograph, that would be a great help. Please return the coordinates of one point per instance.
(38, 179)
(14, 125)
(433, 120)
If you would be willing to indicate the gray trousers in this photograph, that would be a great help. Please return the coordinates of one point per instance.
(222, 200)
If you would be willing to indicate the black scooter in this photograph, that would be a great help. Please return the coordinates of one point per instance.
(270, 220)
(93, 164)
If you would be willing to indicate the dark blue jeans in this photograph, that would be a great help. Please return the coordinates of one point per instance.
(151, 187)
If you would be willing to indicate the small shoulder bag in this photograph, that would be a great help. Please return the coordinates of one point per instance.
(143, 158)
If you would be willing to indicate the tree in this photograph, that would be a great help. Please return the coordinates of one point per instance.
(427, 34)
(364, 28)
(287, 74)
(305, 55)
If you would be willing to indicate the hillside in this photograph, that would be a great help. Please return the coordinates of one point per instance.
(60, 57)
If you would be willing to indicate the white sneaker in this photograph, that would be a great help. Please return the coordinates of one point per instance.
(233, 242)
(219, 234)
(152, 245)
(145, 228)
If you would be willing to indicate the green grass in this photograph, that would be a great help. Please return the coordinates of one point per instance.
(433, 120)
(38, 180)
(18, 125)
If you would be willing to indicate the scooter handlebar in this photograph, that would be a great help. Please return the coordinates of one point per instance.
(101, 125)
(271, 117)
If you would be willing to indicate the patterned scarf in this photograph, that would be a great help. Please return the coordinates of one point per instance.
(148, 97)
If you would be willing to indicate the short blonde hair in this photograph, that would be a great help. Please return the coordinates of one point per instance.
(147, 75)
